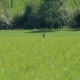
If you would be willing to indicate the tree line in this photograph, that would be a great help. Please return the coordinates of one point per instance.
(49, 14)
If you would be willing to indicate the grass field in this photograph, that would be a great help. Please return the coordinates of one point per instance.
(26, 55)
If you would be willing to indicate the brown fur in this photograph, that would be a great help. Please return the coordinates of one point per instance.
(43, 35)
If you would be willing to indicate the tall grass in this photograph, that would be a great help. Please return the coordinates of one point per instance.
(25, 55)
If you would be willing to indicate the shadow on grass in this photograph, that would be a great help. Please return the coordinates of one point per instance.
(41, 31)
(49, 30)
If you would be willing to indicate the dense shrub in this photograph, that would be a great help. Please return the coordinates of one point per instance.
(3, 25)
(28, 20)
(75, 20)
(48, 15)
(19, 21)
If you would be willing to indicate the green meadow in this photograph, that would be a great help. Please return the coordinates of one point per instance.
(26, 55)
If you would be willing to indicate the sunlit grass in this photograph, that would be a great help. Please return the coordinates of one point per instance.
(29, 56)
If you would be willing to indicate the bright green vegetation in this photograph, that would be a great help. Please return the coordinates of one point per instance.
(71, 4)
(29, 56)
(77, 2)
(20, 4)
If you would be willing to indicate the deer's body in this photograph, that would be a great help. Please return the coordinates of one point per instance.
(43, 35)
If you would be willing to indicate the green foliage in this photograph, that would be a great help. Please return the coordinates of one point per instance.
(3, 25)
(4, 12)
(74, 20)
(50, 13)
(19, 6)
(43, 14)
(25, 21)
